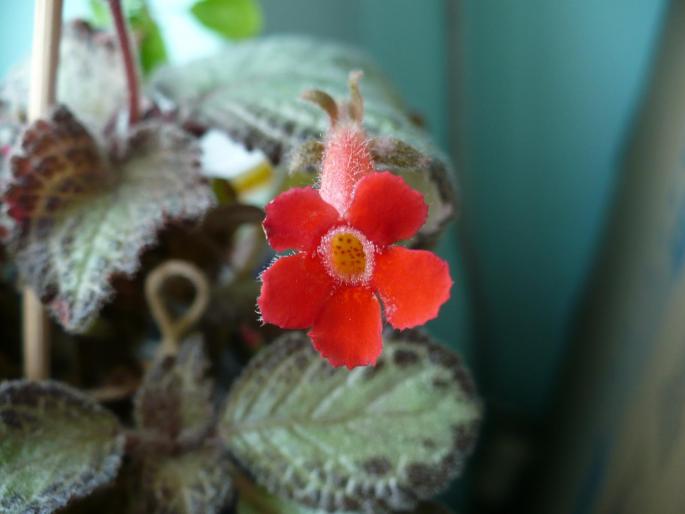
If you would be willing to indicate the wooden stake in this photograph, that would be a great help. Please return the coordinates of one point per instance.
(47, 25)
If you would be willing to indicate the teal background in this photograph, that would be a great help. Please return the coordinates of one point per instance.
(547, 91)
(532, 98)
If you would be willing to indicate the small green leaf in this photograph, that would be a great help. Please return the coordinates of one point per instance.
(175, 398)
(366, 439)
(252, 91)
(85, 216)
(196, 482)
(152, 50)
(99, 13)
(232, 19)
(55, 444)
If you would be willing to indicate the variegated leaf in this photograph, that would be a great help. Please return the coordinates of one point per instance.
(85, 215)
(55, 444)
(369, 439)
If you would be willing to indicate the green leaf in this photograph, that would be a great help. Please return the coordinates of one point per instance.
(99, 13)
(232, 19)
(152, 50)
(196, 482)
(367, 439)
(90, 79)
(84, 217)
(252, 91)
(175, 398)
(55, 444)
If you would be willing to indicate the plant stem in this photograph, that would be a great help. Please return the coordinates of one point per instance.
(130, 60)
(174, 329)
(45, 56)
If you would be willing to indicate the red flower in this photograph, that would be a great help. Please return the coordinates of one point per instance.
(344, 262)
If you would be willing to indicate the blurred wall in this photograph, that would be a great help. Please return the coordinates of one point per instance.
(547, 90)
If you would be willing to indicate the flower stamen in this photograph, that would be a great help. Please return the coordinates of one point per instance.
(347, 255)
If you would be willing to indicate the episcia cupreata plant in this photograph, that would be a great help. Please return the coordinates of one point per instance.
(244, 415)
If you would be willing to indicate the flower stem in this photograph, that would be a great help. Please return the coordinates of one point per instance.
(130, 61)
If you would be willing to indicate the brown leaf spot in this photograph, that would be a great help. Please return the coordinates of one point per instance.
(405, 358)
(377, 466)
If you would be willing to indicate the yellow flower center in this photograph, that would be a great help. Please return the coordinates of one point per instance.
(347, 255)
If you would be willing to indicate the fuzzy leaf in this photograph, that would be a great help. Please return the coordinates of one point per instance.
(260, 502)
(232, 19)
(55, 444)
(196, 482)
(85, 217)
(90, 78)
(9, 132)
(252, 91)
(367, 439)
(175, 398)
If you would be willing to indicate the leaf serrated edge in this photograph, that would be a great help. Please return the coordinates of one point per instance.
(111, 464)
(425, 482)
(167, 135)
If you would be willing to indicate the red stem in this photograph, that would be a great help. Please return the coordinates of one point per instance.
(130, 62)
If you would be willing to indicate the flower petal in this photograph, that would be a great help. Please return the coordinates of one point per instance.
(294, 289)
(386, 209)
(348, 329)
(413, 285)
(297, 219)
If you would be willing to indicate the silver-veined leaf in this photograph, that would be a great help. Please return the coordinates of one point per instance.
(369, 439)
(55, 444)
